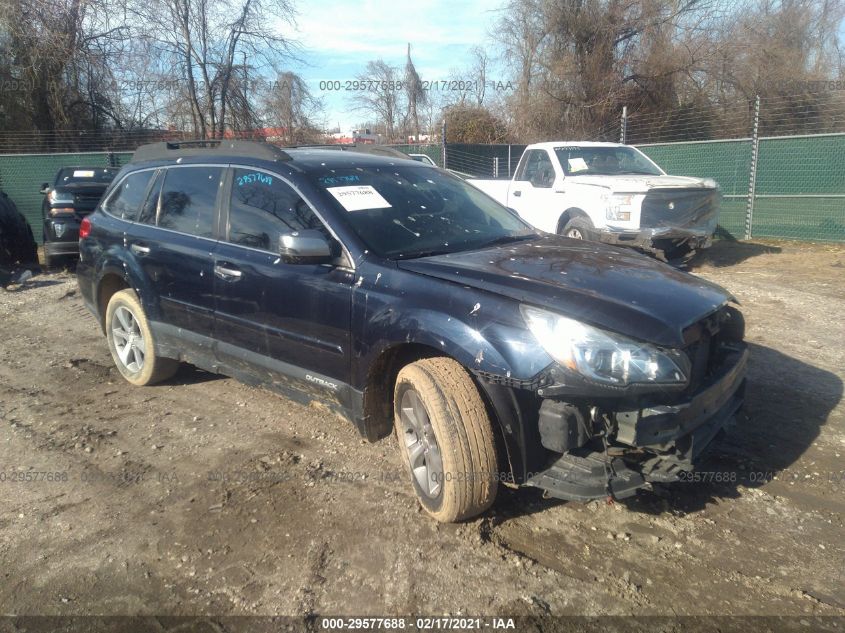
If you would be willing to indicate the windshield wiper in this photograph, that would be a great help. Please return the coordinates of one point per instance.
(429, 253)
(505, 239)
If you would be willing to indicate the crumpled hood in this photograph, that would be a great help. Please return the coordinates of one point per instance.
(641, 184)
(612, 288)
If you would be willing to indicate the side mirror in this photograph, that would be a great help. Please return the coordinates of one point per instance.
(45, 186)
(305, 247)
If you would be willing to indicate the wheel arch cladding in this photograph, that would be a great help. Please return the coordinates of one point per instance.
(567, 215)
(119, 263)
(110, 283)
(379, 393)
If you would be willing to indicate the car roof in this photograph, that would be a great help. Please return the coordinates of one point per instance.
(555, 144)
(266, 154)
(94, 167)
(311, 158)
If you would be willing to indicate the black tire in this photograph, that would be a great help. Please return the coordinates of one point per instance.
(579, 228)
(462, 433)
(152, 368)
(50, 261)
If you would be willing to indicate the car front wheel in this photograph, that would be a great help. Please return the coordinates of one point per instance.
(446, 439)
(131, 342)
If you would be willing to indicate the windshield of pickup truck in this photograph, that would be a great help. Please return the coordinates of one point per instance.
(604, 161)
(401, 212)
(87, 175)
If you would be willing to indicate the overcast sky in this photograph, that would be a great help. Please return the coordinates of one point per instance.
(339, 38)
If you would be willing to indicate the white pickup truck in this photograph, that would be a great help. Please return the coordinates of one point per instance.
(610, 193)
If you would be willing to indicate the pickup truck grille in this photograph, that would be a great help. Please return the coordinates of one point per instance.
(678, 207)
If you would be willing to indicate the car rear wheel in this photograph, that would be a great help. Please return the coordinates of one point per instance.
(446, 439)
(578, 228)
(131, 342)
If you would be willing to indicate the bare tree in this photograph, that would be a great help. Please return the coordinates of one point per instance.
(415, 94)
(58, 57)
(290, 105)
(380, 97)
(470, 82)
(203, 41)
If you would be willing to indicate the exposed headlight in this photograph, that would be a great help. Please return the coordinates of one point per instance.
(603, 356)
(619, 207)
(58, 197)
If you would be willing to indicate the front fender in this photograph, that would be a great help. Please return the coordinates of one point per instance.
(483, 331)
(454, 338)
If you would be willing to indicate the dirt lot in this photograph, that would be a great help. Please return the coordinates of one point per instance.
(205, 496)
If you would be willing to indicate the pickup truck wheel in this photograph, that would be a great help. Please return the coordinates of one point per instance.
(446, 439)
(578, 228)
(131, 342)
(53, 263)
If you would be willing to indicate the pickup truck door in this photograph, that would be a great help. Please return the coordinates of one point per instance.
(531, 193)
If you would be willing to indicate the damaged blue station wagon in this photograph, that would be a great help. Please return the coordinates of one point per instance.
(409, 300)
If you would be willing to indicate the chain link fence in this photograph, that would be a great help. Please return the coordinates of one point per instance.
(22, 175)
(798, 193)
(799, 181)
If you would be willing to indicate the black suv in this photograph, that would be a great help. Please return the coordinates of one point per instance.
(408, 299)
(75, 192)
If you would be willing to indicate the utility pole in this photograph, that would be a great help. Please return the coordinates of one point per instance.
(623, 131)
(443, 141)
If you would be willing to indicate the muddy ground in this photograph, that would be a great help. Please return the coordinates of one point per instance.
(205, 496)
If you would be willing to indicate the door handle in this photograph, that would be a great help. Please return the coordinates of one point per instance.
(140, 249)
(516, 194)
(226, 273)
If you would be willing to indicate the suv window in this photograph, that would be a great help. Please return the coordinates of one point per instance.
(537, 168)
(188, 199)
(129, 195)
(150, 208)
(263, 207)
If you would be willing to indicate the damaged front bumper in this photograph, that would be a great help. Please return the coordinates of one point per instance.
(665, 243)
(648, 444)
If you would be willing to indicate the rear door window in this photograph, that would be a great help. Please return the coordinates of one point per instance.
(189, 200)
(128, 196)
(150, 209)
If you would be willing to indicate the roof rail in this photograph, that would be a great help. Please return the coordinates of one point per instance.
(364, 148)
(222, 147)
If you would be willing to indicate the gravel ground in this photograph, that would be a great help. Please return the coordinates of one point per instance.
(205, 496)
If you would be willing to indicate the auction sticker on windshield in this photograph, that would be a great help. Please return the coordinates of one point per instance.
(577, 164)
(359, 197)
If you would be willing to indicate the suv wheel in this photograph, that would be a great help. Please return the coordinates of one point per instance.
(578, 228)
(131, 342)
(446, 439)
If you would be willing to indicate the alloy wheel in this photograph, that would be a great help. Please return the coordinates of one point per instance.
(128, 339)
(421, 445)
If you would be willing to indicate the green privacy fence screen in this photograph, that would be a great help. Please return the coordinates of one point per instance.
(21, 177)
(799, 190)
(799, 180)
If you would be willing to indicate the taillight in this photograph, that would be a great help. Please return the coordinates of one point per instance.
(84, 228)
